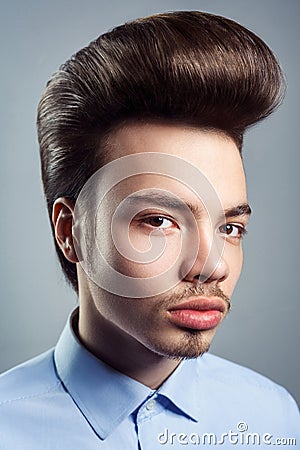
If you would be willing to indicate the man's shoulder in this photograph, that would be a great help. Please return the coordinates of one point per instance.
(243, 395)
(239, 377)
(30, 379)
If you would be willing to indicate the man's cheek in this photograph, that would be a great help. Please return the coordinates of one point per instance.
(149, 256)
(142, 271)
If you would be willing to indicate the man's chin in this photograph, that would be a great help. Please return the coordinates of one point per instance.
(191, 346)
(188, 354)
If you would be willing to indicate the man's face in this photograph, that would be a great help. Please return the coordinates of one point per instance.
(180, 316)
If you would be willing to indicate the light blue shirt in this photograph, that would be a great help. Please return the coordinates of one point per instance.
(67, 399)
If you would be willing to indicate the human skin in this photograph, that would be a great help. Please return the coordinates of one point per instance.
(139, 336)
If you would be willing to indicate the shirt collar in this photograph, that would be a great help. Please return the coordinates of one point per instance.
(182, 388)
(105, 396)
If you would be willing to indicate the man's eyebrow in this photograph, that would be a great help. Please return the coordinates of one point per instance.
(165, 201)
(169, 201)
(240, 210)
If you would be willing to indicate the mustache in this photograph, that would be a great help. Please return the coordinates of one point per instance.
(201, 290)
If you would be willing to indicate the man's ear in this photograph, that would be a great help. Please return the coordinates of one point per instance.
(62, 219)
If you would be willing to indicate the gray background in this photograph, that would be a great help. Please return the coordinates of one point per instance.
(263, 330)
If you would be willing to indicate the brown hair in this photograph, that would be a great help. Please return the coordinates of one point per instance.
(188, 67)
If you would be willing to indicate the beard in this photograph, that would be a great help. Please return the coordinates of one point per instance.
(192, 343)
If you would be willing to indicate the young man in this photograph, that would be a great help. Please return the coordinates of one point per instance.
(140, 136)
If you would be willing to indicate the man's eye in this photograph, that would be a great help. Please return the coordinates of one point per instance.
(233, 230)
(159, 222)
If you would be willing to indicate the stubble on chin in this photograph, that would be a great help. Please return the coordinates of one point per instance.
(192, 345)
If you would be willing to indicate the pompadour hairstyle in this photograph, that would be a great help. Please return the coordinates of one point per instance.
(185, 67)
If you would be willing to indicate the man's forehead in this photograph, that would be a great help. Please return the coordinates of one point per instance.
(134, 136)
(210, 151)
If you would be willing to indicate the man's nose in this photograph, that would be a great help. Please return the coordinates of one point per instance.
(208, 265)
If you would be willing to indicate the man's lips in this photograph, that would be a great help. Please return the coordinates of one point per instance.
(199, 313)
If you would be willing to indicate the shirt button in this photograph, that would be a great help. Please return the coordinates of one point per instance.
(150, 405)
